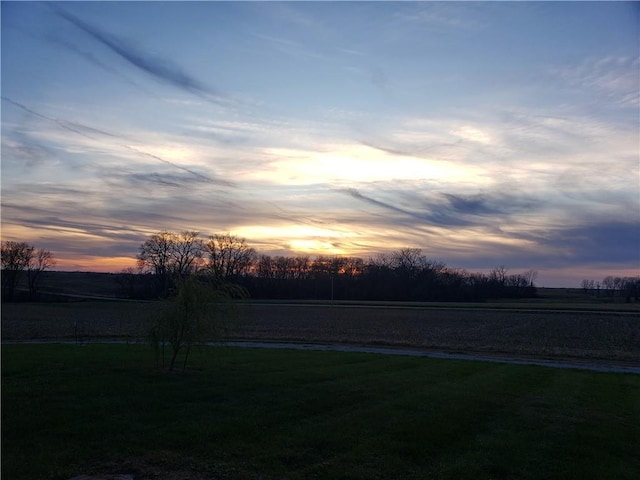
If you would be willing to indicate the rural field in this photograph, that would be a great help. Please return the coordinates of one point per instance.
(550, 331)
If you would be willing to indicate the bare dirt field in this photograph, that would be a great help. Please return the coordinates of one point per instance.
(609, 337)
(580, 335)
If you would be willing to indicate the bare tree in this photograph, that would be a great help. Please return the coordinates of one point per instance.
(155, 256)
(588, 286)
(380, 261)
(531, 276)
(631, 288)
(301, 266)
(169, 256)
(16, 257)
(408, 260)
(499, 275)
(187, 253)
(199, 312)
(265, 267)
(609, 284)
(42, 260)
(352, 267)
(228, 256)
(155, 253)
(283, 268)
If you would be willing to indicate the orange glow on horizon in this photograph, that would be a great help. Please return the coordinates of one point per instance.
(94, 264)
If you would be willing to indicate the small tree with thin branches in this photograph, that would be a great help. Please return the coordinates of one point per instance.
(200, 312)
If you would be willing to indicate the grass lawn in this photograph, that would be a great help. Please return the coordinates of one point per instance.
(247, 414)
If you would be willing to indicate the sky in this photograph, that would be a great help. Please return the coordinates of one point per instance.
(485, 134)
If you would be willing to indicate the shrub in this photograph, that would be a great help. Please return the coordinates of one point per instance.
(200, 312)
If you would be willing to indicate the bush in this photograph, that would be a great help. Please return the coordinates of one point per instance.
(200, 312)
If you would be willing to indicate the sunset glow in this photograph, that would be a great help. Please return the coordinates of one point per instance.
(482, 133)
(357, 163)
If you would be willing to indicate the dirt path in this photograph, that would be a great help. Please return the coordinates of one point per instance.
(506, 359)
(442, 355)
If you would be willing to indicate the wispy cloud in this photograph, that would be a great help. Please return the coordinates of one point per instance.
(199, 176)
(18, 145)
(93, 134)
(292, 48)
(67, 125)
(440, 15)
(617, 77)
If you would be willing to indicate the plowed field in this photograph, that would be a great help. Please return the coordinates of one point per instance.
(589, 336)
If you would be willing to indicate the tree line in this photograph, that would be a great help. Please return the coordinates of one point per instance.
(403, 275)
(612, 287)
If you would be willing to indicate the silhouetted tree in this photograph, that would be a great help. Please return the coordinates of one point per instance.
(609, 284)
(188, 253)
(405, 274)
(631, 288)
(200, 312)
(170, 256)
(155, 256)
(41, 260)
(624, 287)
(20, 257)
(16, 257)
(588, 286)
(228, 256)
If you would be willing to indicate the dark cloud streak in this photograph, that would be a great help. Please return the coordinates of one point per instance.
(476, 205)
(89, 57)
(594, 241)
(423, 150)
(433, 215)
(356, 194)
(172, 180)
(158, 68)
(198, 175)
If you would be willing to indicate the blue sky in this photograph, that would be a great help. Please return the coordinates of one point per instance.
(484, 133)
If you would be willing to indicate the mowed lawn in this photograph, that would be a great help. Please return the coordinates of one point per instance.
(276, 414)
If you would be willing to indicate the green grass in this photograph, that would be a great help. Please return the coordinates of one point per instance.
(544, 303)
(244, 413)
